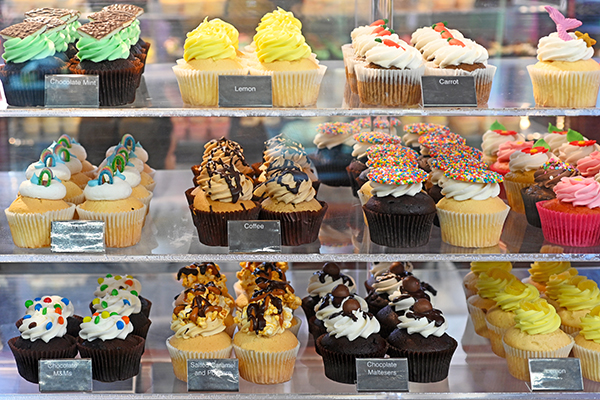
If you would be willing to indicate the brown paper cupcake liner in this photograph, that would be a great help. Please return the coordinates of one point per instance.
(354, 184)
(529, 206)
(297, 228)
(389, 88)
(396, 230)
(27, 360)
(590, 362)
(212, 226)
(146, 306)
(342, 367)
(114, 365)
(26, 89)
(179, 358)
(117, 87)
(33, 230)
(189, 196)
(266, 368)
(73, 325)
(426, 367)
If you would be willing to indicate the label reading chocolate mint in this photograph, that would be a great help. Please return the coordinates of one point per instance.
(77, 236)
(245, 91)
(65, 375)
(555, 374)
(381, 374)
(448, 91)
(72, 91)
(214, 375)
(254, 236)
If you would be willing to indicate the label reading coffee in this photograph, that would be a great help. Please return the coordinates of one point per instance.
(215, 375)
(72, 91)
(382, 374)
(245, 91)
(254, 236)
(74, 375)
(448, 91)
(77, 236)
(555, 374)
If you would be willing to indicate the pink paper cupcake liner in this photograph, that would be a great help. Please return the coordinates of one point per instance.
(565, 229)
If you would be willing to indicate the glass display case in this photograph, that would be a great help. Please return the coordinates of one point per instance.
(174, 135)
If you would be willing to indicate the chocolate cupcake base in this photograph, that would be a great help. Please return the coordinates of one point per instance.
(113, 360)
(297, 228)
(28, 359)
(26, 88)
(529, 203)
(397, 230)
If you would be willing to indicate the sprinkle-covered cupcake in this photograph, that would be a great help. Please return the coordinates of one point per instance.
(334, 141)
(412, 132)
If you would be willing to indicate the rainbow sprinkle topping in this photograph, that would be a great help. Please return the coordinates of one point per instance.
(431, 140)
(337, 128)
(422, 129)
(469, 173)
(362, 123)
(381, 123)
(376, 138)
(397, 175)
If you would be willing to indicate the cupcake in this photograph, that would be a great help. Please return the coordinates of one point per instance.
(587, 347)
(399, 214)
(264, 346)
(109, 282)
(555, 138)
(412, 132)
(421, 338)
(78, 151)
(589, 166)
(505, 150)
(56, 31)
(536, 334)
(52, 303)
(43, 336)
(108, 339)
(251, 271)
(477, 267)
(321, 283)
(351, 335)
(334, 141)
(576, 148)
(565, 75)
(501, 317)
(576, 298)
(362, 39)
(72, 162)
(546, 178)
(108, 199)
(430, 38)
(555, 283)
(210, 50)
(523, 165)
(136, 154)
(125, 303)
(379, 268)
(493, 138)
(199, 326)
(70, 17)
(118, 163)
(541, 271)
(573, 218)
(40, 201)
(60, 170)
(387, 285)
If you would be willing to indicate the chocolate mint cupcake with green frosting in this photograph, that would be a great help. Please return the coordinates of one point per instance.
(29, 56)
(102, 51)
(68, 31)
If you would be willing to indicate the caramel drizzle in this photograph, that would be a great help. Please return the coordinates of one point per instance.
(199, 307)
(256, 312)
(270, 271)
(199, 268)
(268, 286)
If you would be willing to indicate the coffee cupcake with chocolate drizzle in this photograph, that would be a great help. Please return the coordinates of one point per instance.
(291, 200)
(322, 283)
(264, 345)
(421, 338)
(225, 195)
(199, 326)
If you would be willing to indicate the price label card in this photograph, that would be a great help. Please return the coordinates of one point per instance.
(217, 375)
(382, 374)
(448, 91)
(555, 374)
(77, 236)
(74, 375)
(254, 236)
(245, 91)
(72, 91)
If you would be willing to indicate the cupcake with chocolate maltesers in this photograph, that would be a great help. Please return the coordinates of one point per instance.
(321, 283)
(380, 268)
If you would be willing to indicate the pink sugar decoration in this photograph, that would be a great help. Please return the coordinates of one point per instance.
(562, 24)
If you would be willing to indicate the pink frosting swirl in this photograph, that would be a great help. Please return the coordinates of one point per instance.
(507, 148)
(589, 166)
(579, 191)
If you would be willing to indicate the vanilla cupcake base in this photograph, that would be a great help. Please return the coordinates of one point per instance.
(564, 88)
(471, 230)
(179, 358)
(478, 318)
(200, 88)
(33, 230)
(266, 368)
(590, 362)
(518, 360)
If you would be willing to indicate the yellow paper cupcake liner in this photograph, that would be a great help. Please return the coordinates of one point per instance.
(478, 319)
(471, 230)
(266, 368)
(590, 362)
(179, 358)
(33, 230)
(389, 88)
(201, 88)
(294, 88)
(564, 88)
(122, 229)
(483, 78)
(495, 335)
(513, 195)
(518, 360)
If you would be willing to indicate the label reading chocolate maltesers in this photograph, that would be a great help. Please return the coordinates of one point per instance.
(381, 374)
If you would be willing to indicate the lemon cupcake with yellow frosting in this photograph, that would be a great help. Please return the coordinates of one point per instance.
(587, 345)
(576, 299)
(282, 53)
(210, 50)
(555, 283)
(477, 267)
(541, 271)
(536, 334)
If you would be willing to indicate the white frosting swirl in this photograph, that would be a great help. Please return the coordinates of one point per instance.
(78, 151)
(461, 191)
(379, 268)
(318, 288)
(206, 326)
(422, 326)
(43, 325)
(109, 328)
(520, 161)
(362, 325)
(388, 285)
(404, 57)
(323, 140)
(132, 176)
(362, 30)
(108, 283)
(472, 53)
(118, 190)
(493, 140)
(383, 189)
(571, 154)
(427, 34)
(123, 303)
(60, 170)
(50, 302)
(55, 191)
(326, 312)
(363, 44)
(555, 140)
(436, 175)
(553, 48)
(74, 165)
(139, 152)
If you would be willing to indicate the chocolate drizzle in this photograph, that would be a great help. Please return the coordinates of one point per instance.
(333, 270)
(423, 309)
(199, 268)
(269, 270)
(255, 311)
(200, 305)
(269, 286)
(233, 179)
(298, 177)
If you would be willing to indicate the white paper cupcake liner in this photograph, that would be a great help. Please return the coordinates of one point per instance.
(389, 87)
(150, 187)
(518, 360)
(146, 201)
(483, 78)
(179, 358)
(201, 88)
(513, 195)
(33, 230)
(471, 230)
(564, 88)
(294, 88)
(295, 328)
(590, 362)
(266, 368)
(571, 330)
(351, 63)
(495, 335)
(75, 200)
(347, 52)
(122, 229)
(478, 318)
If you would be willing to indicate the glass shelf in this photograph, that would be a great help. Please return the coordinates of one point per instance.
(158, 96)
(170, 236)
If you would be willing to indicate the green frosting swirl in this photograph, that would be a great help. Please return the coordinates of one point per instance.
(60, 40)
(34, 47)
(72, 31)
(106, 49)
(131, 34)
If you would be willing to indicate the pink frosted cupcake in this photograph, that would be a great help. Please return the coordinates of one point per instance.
(503, 155)
(573, 218)
(589, 166)
(576, 148)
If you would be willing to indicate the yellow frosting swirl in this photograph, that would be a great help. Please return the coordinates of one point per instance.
(579, 293)
(514, 293)
(536, 317)
(541, 271)
(277, 44)
(555, 282)
(208, 43)
(218, 25)
(477, 267)
(590, 325)
(493, 281)
(277, 18)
